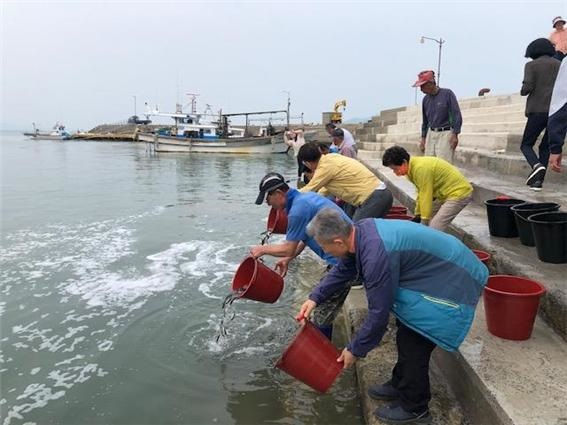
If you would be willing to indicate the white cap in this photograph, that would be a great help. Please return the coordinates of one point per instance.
(558, 19)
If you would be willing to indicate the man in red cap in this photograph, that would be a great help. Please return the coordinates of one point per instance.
(442, 118)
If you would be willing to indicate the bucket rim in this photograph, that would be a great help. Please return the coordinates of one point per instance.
(485, 254)
(248, 257)
(539, 293)
(275, 213)
(520, 207)
(533, 219)
(504, 201)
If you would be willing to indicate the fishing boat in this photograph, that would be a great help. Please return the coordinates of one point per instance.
(58, 132)
(207, 133)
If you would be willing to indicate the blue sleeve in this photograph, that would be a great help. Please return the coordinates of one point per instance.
(336, 280)
(296, 228)
(380, 291)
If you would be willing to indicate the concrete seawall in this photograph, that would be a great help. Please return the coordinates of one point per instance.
(489, 381)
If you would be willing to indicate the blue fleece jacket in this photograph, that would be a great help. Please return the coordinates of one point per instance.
(428, 279)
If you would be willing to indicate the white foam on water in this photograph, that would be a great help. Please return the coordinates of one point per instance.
(87, 253)
(105, 345)
(38, 395)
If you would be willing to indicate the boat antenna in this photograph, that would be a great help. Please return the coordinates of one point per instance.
(193, 102)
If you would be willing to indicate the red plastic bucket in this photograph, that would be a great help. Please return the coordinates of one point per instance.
(311, 358)
(277, 221)
(398, 209)
(390, 216)
(482, 256)
(510, 304)
(256, 281)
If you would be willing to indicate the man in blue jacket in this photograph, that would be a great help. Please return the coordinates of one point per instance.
(300, 209)
(429, 280)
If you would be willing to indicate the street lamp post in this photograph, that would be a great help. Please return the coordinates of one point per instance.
(440, 43)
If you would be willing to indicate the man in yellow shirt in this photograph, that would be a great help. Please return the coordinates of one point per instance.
(435, 179)
(346, 179)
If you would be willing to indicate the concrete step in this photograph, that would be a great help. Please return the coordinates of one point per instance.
(501, 382)
(485, 117)
(491, 141)
(468, 127)
(372, 131)
(516, 127)
(516, 108)
(489, 101)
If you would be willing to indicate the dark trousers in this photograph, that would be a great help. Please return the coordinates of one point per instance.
(537, 122)
(411, 373)
(557, 129)
(376, 206)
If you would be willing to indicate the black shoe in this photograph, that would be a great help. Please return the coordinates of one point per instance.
(536, 186)
(537, 174)
(383, 392)
(397, 415)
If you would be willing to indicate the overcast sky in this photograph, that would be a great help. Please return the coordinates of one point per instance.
(82, 62)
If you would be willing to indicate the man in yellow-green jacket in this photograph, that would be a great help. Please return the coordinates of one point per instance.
(435, 179)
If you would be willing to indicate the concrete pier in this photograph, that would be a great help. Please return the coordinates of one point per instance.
(489, 381)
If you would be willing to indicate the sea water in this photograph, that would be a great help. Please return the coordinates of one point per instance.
(114, 263)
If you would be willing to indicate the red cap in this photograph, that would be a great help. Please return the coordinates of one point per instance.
(424, 77)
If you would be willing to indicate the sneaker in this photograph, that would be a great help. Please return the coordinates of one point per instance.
(383, 392)
(537, 174)
(397, 415)
(536, 186)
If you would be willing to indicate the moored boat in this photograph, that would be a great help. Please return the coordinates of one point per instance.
(195, 133)
(238, 145)
(57, 133)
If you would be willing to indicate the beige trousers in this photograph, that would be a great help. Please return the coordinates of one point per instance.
(437, 144)
(447, 211)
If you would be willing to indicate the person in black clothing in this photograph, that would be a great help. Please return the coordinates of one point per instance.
(539, 77)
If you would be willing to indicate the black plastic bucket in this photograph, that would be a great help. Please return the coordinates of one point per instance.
(521, 214)
(550, 235)
(501, 222)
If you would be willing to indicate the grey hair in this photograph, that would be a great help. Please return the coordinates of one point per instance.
(327, 225)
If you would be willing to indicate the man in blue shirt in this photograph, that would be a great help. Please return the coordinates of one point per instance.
(429, 280)
(300, 209)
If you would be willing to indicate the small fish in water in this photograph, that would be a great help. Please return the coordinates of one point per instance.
(169, 205)
(227, 302)
(266, 237)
